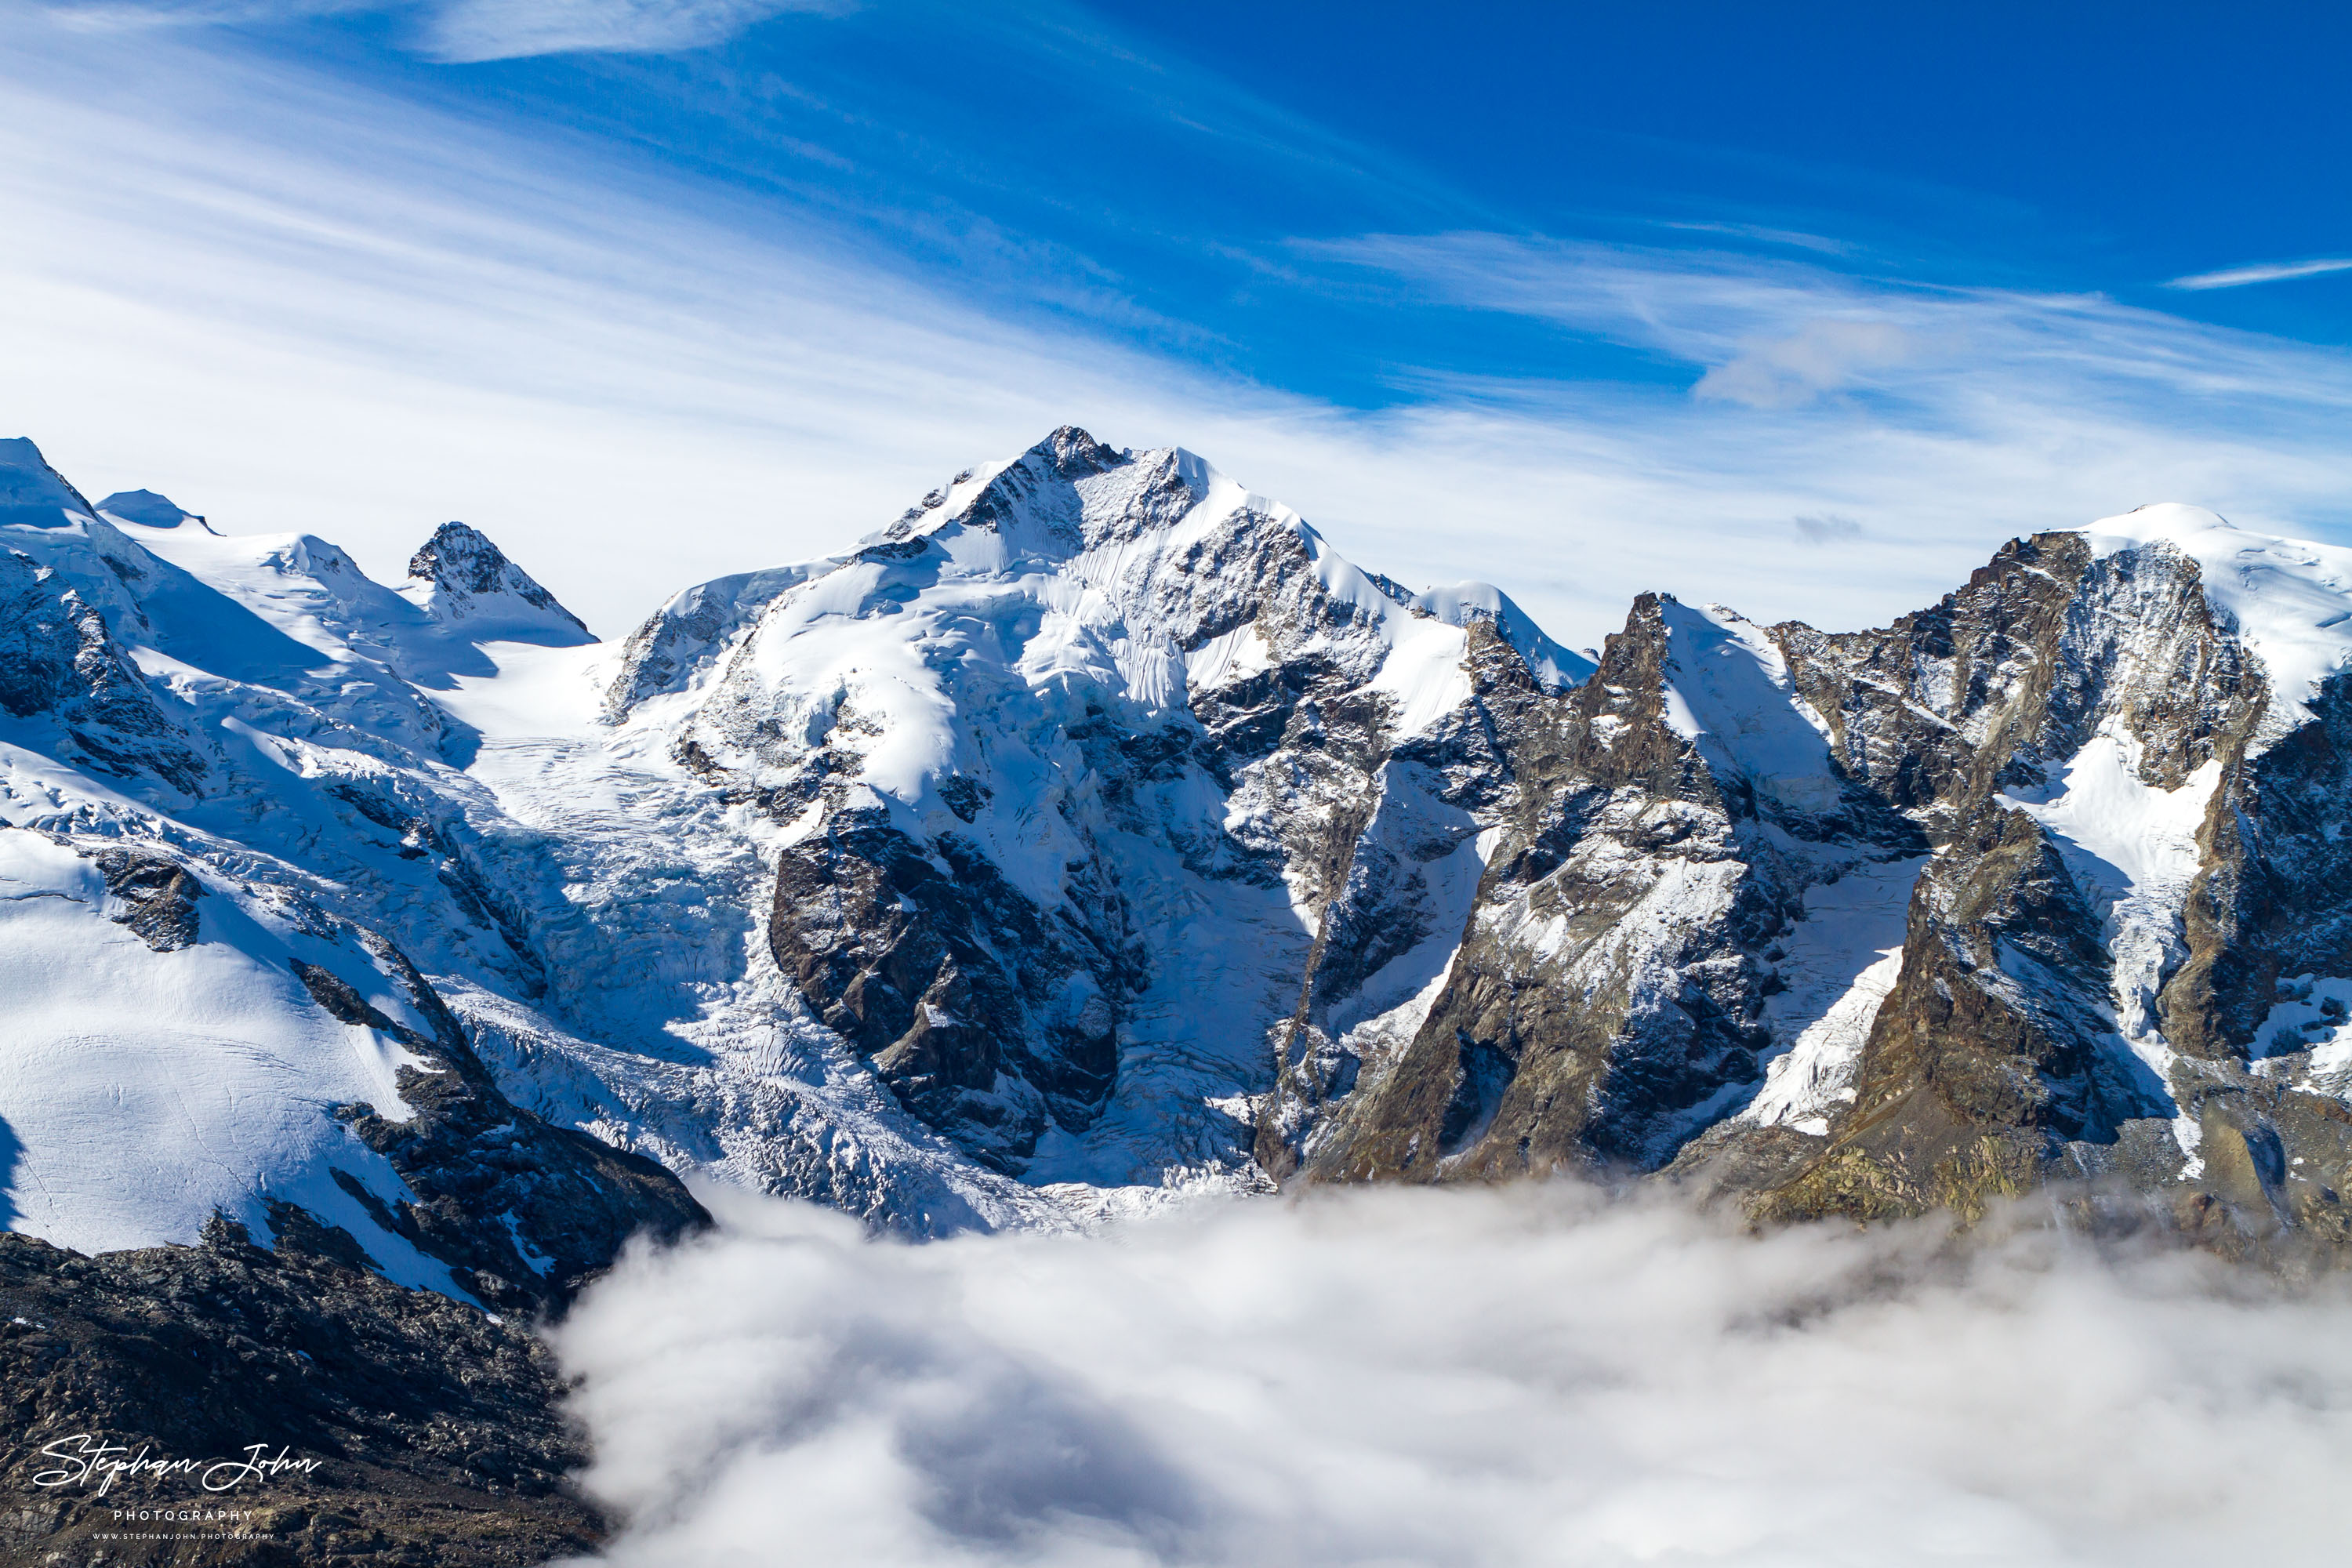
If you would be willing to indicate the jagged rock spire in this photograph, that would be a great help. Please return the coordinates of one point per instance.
(469, 579)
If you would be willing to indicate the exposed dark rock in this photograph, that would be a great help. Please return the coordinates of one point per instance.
(522, 1211)
(985, 1014)
(437, 1432)
(159, 894)
(1604, 1037)
(1988, 1056)
(467, 568)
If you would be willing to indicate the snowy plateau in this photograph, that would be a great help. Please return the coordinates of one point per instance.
(1094, 835)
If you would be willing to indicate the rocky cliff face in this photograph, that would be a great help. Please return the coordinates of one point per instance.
(2051, 824)
(459, 576)
(62, 669)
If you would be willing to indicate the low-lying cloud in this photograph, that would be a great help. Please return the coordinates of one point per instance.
(1525, 1376)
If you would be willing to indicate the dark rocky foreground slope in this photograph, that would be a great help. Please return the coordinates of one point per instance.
(435, 1428)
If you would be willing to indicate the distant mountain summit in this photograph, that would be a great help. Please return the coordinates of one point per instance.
(32, 493)
(460, 576)
(149, 510)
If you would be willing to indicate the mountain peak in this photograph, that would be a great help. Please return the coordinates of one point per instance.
(32, 493)
(1555, 667)
(1072, 454)
(459, 576)
(2170, 520)
(2283, 597)
(149, 510)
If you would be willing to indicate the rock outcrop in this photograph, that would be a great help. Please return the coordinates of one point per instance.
(431, 1432)
(459, 576)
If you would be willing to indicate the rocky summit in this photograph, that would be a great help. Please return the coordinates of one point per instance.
(1095, 833)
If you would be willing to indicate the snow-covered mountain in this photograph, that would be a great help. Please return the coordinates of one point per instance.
(1058, 773)
(1095, 831)
(223, 783)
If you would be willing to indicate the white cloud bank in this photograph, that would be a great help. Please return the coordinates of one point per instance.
(1526, 1376)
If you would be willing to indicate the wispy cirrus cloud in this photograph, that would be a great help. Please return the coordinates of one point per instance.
(470, 31)
(1822, 357)
(1827, 530)
(131, 15)
(295, 301)
(1772, 334)
(2262, 272)
(1767, 234)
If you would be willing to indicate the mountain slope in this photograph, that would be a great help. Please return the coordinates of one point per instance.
(2079, 796)
(196, 872)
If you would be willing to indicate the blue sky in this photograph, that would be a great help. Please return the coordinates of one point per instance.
(1802, 308)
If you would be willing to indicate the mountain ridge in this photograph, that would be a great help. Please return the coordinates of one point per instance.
(1095, 833)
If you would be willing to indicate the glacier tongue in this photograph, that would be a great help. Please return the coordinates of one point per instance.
(2134, 849)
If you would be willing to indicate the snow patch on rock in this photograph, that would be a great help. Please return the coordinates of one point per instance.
(2289, 600)
(2133, 851)
(1839, 963)
(1727, 690)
